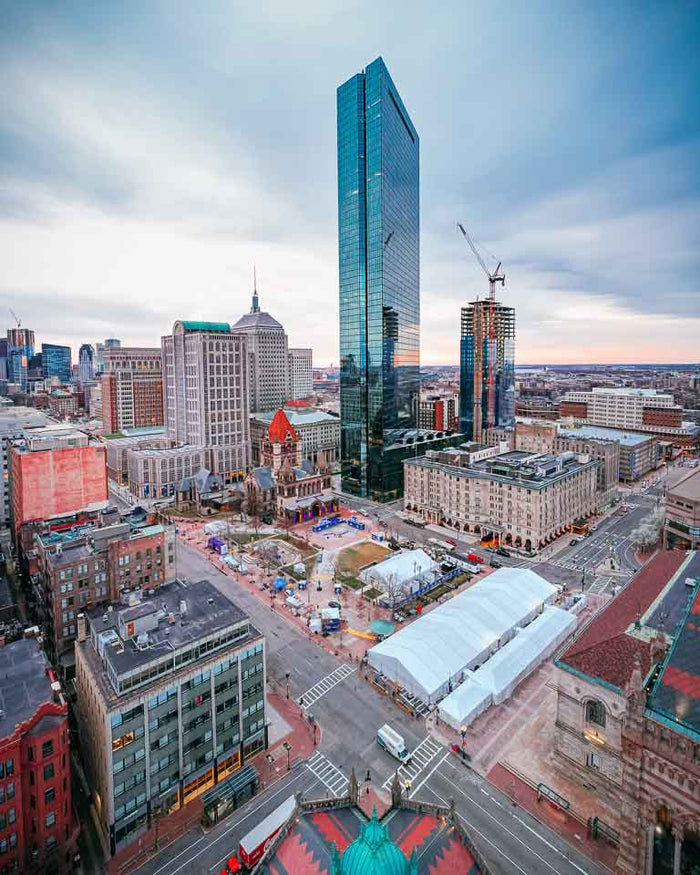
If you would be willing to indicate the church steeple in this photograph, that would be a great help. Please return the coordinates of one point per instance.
(256, 303)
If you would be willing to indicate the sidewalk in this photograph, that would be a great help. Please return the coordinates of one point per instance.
(564, 823)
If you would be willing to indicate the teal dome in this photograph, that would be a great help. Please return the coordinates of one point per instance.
(374, 853)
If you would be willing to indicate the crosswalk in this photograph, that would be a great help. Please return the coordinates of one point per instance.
(329, 775)
(421, 757)
(325, 685)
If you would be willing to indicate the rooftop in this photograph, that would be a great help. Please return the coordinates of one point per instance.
(280, 428)
(24, 683)
(216, 327)
(676, 693)
(608, 646)
(688, 487)
(625, 438)
(297, 416)
(158, 627)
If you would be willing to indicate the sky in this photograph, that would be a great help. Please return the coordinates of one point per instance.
(152, 152)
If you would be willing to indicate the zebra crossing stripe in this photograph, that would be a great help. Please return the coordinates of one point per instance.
(421, 757)
(329, 775)
(325, 685)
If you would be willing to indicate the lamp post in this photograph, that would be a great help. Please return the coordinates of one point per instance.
(288, 748)
(312, 721)
(270, 760)
(286, 678)
(368, 781)
(463, 732)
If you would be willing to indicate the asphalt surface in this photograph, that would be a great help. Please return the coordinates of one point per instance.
(349, 713)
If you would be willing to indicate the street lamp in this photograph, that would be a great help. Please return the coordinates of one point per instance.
(368, 781)
(407, 787)
(463, 732)
(312, 721)
(270, 760)
(288, 748)
(286, 678)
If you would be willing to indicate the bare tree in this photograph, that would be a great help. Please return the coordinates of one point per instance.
(647, 533)
(253, 508)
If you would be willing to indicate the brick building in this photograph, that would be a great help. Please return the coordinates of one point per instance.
(437, 412)
(628, 716)
(54, 471)
(38, 830)
(84, 566)
(132, 389)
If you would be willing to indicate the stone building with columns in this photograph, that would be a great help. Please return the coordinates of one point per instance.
(628, 716)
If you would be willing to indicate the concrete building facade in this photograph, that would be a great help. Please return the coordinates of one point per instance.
(132, 389)
(682, 525)
(640, 410)
(520, 499)
(300, 373)
(206, 394)
(170, 701)
(268, 358)
(438, 412)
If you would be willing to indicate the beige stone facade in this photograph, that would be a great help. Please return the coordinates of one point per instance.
(520, 499)
(682, 528)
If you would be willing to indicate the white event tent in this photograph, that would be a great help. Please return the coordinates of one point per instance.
(431, 656)
(497, 678)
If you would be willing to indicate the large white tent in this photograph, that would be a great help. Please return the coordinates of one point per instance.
(398, 569)
(430, 657)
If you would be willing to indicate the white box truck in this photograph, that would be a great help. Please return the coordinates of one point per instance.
(393, 744)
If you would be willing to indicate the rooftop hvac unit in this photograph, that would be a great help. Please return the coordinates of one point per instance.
(183, 607)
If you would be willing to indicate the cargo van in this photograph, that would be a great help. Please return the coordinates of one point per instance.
(393, 744)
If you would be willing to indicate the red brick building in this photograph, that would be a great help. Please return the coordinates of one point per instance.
(132, 389)
(38, 830)
(56, 471)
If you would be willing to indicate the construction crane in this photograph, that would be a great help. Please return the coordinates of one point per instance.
(495, 276)
(16, 318)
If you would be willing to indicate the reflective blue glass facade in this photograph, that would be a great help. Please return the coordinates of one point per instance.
(476, 351)
(379, 266)
(56, 361)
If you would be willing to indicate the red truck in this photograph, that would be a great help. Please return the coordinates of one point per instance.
(254, 844)
(472, 557)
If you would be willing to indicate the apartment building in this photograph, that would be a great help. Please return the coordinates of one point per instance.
(38, 832)
(640, 410)
(87, 565)
(132, 388)
(14, 422)
(300, 373)
(516, 498)
(206, 390)
(437, 412)
(170, 702)
(319, 432)
(682, 526)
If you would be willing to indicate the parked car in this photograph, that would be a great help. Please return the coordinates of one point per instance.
(472, 557)
(494, 563)
(333, 604)
(502, 551)
(489, 550)
(574, 541)
(451, 541)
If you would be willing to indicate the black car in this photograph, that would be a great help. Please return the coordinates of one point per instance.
(502, 551)
(494, 563)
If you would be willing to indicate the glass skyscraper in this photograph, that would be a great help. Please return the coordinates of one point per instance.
(378, 242)
(56, 361)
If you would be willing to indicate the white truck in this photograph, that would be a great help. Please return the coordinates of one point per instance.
(393, 744)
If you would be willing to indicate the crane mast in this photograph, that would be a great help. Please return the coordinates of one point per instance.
(491, 335)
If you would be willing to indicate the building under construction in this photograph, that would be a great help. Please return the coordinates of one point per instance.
(487, 367)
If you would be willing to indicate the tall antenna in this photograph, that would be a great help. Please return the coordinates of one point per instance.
(256, 303)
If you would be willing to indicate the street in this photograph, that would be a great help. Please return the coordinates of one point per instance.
(349, 712)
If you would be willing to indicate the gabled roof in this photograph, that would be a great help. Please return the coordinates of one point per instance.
(281, 429)
(604, 650)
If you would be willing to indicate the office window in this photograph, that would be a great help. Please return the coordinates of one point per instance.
(49, 772)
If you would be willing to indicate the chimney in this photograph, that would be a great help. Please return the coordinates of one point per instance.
(82, 627)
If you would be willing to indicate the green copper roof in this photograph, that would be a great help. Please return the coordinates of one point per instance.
(206, 326)
(374, 853)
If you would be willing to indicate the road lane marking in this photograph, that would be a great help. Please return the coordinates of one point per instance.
(328, 774)
(421, 757)
(325, 685)
(517, 838)
(439, 763)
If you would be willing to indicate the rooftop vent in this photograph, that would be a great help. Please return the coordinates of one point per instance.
(183, 607)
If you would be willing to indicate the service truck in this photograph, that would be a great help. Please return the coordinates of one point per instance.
(254, 844)
(393, 744)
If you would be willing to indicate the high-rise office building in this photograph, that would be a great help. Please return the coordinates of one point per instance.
(301, 383)
(99, 357)
(205, 393)
(267, 356)
(379, 261)
(3, 358)
(86, 363)
(56, 361)
(112, 343)
(20, 348)
(132, 388)
(486, 394)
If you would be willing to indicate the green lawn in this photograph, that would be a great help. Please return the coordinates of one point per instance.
(372, 593)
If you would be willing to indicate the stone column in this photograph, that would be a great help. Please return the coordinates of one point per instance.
(649, 870)
(678, 836)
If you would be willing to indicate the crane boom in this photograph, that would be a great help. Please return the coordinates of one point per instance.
(16, 318)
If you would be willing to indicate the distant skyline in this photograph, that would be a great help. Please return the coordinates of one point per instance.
(152, 153)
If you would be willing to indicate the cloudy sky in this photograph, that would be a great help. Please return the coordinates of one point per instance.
(152, 152)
